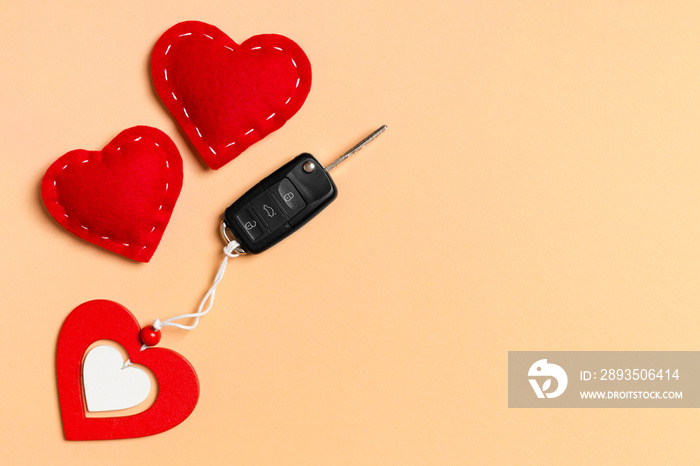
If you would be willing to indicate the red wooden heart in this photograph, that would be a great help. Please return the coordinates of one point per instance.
(120, 198)
(226, 96)
(178, 387)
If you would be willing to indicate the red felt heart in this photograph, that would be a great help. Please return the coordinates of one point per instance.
(120, 198)
(178, 387)
(226, 96)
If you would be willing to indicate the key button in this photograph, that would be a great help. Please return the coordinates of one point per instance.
(289, 197)
(250, 224)
(269, 211)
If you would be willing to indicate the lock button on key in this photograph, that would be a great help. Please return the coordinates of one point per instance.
(289, 197)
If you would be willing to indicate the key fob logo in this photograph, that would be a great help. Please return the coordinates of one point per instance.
(250, 225)
(547, 371)
(288, 197)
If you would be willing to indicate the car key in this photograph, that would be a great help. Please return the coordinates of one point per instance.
(284, 201)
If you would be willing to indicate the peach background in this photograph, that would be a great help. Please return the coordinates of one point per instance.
(536, 189)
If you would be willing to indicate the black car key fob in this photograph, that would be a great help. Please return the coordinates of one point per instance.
(280, 204)
(283, 201)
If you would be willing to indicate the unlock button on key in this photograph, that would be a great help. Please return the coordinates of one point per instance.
(250, 224)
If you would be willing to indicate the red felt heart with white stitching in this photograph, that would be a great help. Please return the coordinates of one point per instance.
(178, 386)
(120, 198)
(226, 96)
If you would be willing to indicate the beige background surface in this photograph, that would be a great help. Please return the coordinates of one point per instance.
(536, 190)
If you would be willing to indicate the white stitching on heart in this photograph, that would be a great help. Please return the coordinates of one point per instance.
(167, 185)
(199, 133)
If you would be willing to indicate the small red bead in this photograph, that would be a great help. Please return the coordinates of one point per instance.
(149, 336)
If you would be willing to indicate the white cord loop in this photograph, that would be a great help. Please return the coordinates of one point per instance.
(230, 252)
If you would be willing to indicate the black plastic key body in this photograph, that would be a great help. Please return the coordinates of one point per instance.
(280, 204)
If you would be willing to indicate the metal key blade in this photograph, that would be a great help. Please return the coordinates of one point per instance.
(357, 147)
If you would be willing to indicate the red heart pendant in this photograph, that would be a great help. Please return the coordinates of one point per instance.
(178, 387)
(226, 96)
(120, 198)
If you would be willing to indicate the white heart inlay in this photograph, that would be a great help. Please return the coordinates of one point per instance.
(110, 384)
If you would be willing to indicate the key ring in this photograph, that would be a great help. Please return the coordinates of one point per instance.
(222, 229)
